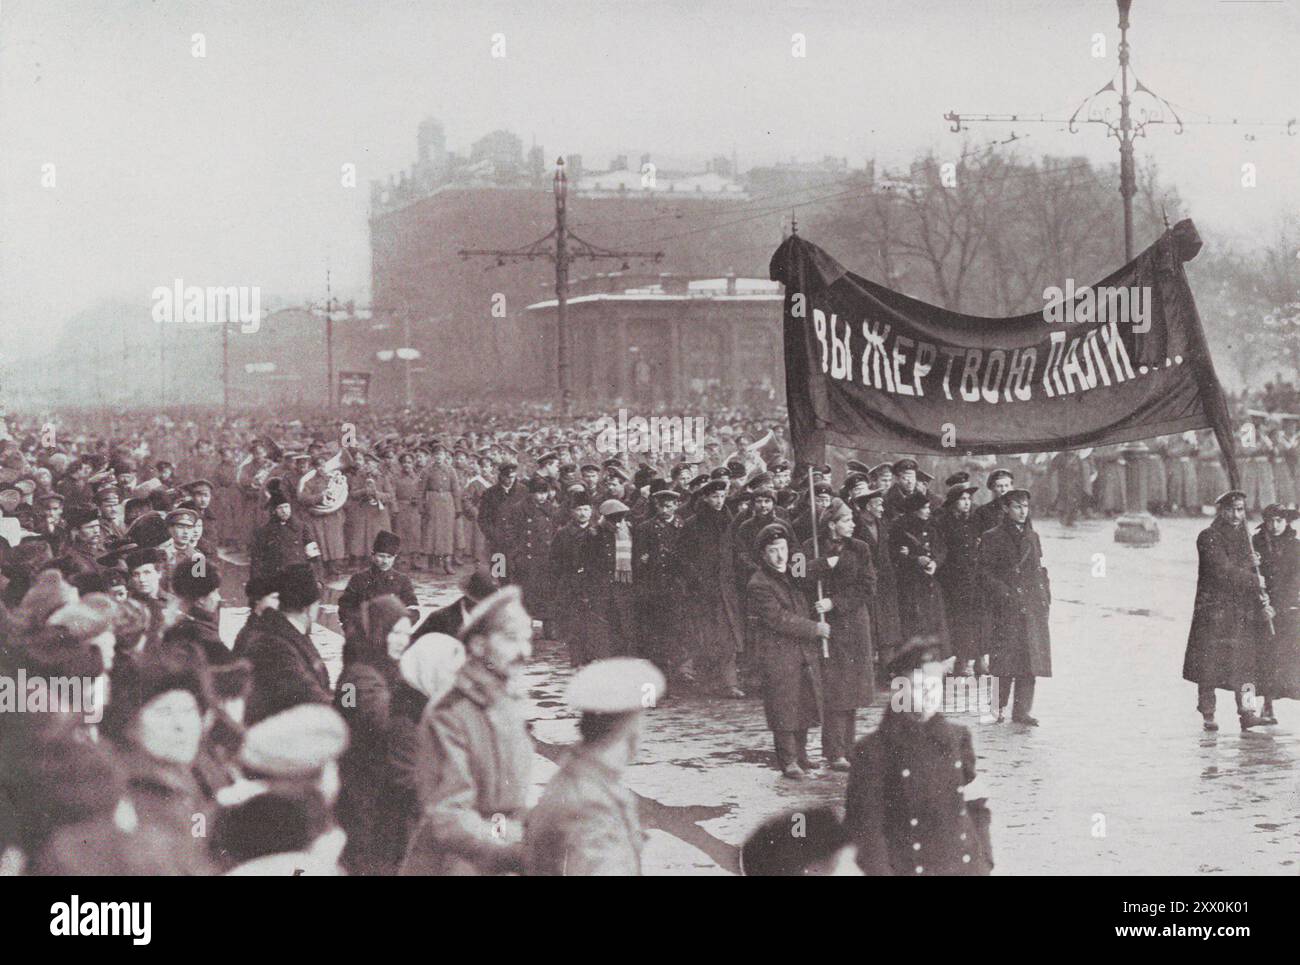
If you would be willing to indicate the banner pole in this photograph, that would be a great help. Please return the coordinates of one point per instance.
(812, 509)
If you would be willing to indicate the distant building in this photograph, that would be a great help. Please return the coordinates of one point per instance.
(671, 341)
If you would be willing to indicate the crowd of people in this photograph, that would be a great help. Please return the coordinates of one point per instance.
(722, 569)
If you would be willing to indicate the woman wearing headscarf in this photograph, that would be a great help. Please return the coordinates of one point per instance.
(427, 669)
(364, 696)
(843, 566)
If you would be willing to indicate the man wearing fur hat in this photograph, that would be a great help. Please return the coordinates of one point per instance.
(287, 668)
(714, 620)
(379, 579)
(283, 540)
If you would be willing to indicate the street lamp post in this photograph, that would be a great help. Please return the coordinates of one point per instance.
(561, 287)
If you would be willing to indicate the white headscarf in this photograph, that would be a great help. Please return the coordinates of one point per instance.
(431, 663)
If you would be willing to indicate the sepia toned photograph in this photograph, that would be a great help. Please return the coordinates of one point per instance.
(650, 437)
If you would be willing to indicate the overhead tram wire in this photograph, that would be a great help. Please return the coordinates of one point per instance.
(735, 206)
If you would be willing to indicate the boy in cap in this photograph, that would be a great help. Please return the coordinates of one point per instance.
(910, 805)
(586, 822)
(379, 579)
(789, 643)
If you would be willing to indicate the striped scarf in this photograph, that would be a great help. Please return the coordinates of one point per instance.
(623, 552)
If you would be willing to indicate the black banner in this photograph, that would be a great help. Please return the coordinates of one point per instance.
(868, 368)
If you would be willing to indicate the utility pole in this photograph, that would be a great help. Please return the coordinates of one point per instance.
(562, 255)
(329, 344)
(1125, 131)
(225, 369)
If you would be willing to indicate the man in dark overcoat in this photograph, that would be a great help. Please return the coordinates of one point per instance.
(575, 568)
(870, 527)
(847, 577)
(526, 534)
(658, 580)
(958, 576)
(712, 603)
(918, 553)
(1229, 615)
(788, 646)
(1019, 595)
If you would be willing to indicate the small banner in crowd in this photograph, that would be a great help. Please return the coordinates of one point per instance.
(870, 369)
(354, 388)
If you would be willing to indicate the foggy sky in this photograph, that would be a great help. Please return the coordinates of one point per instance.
(226, 169)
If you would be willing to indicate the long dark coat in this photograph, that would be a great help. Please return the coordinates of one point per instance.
(1019, 595)
(960, 583)
(1279, 664)
(713, 618)
(370, 583)
(904, 806)
(287, 668)
(848, 674)
(920, 598)
(886, 634)
(276, 545)
(783, 634)
(364, 698)
(1226, 617)
(527, 532)
(575, 569)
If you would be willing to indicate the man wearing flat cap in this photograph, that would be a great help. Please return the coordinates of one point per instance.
(379, 579)
(1230, 616)
(987, 516)
(587, 821)
(575, 567)
(1019, 596)
(658, 579)
(904, 473)
(527, 532)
